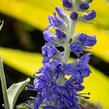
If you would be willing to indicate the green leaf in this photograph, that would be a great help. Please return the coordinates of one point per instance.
(97, 83)
(14, 91)
(3, 85)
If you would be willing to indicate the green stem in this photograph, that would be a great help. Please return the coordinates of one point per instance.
(76, 4)
(67, 51)
(4, 87)
(70, 35)
(72, 28)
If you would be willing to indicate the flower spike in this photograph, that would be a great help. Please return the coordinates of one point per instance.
(52, 87)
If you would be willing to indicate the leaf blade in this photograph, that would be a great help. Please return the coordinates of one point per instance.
(14, 90)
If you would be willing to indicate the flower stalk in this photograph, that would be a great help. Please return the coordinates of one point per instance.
(70, 36)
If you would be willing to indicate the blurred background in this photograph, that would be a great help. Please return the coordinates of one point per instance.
(21, 39)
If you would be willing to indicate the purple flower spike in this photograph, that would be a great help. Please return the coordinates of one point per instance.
(74, 15)
(53, 89)
(84, 6)
(90, 16)
(60, 12)
(60, 33)
(67, 3)
(76, 48)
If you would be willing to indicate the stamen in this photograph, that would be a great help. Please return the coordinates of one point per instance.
(30, 89)
(84, 97)
(84, 93)
(30, 85)
(34, 76)
(44, 80)
(43, 87)
(39, 78)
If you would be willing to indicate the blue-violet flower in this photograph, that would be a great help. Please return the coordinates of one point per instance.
(54, 90)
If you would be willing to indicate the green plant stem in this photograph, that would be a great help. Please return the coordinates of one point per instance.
(67, 51)
(70, 35)
(4, 87)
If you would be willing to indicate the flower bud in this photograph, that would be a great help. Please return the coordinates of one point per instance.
(60, 33)
(89, 16)
(88, 40)
(48, 36)
(60, 12)
(67, 3)
(84, 6)
(74, 15)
